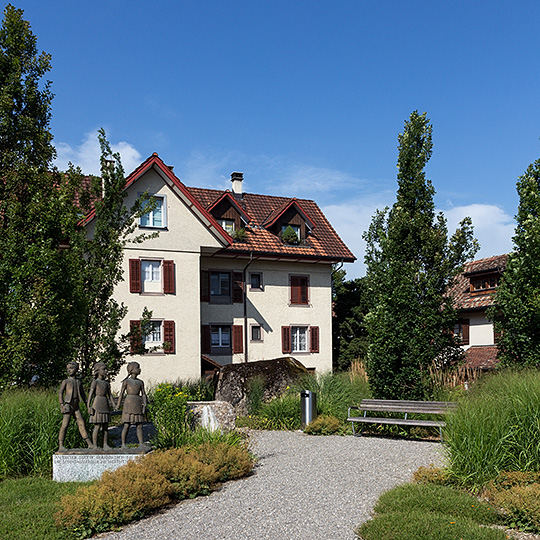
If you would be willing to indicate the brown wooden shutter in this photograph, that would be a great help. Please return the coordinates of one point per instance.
(465, 324)
(205, 339)
(168, 277)
(237, 339)
(238, 287)
(205, 286)
(295, 290)
(135, 285)
(286, 339)
(168, 337)
(314, 339)
(135, 337)
(299, 289)
(303, 290)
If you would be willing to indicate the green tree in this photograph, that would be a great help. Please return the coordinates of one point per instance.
(99, 246)
(410, 266)
(351, 303)
(516, 309)
(36, 297)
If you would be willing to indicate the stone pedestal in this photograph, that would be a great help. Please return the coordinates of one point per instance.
(79, 465)
(213, 415)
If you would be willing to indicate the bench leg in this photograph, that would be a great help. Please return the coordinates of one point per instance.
(440, 431)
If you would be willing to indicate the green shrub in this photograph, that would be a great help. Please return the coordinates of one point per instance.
(519, 494)
(420, 525)
(432, 475)
(324, 425)
(30, 422)
(170, 416)
(496, 428)
(150, 482)
(282, 412)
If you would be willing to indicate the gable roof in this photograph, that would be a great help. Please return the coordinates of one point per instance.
(279, 211)
(228, 197)
(156, 163)
(259, 212)
(461, 290)
(323, 243)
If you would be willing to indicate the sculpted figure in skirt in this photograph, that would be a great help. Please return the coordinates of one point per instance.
(70, 394)
(100, 408)
(134, 409)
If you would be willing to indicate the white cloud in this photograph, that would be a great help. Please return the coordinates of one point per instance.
(350, 220)
(87, 154)
(493, 227)
(305, 181)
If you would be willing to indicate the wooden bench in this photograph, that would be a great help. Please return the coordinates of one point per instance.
(403, 407)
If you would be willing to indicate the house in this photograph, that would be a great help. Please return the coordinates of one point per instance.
(473, 294)
(221, 282)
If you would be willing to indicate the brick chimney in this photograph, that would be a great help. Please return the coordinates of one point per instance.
(236, 179)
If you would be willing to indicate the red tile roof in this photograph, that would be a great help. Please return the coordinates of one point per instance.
(323, 243)
(463, 299)
(481, 356)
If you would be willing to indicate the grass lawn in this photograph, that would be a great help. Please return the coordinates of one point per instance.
(28, 506)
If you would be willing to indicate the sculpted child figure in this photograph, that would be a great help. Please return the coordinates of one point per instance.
(134, 408)
(71, 392)
(100, 412)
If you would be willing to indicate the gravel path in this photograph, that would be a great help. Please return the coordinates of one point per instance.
(303, 488)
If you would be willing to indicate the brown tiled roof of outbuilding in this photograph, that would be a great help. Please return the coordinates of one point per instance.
(481, 356)
(463, 299)
(323, 243)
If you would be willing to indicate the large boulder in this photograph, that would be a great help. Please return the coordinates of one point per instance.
(234, 379)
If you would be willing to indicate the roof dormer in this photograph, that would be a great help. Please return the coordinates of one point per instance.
(228, 213)
(288, 218)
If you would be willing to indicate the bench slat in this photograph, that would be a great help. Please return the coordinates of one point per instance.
(402, 407)
(397, 421)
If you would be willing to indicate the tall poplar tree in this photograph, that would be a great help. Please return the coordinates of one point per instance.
(410, 266)
(36, 212)
(516, 309)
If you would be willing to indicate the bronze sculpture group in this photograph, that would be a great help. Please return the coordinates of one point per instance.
(100, 402)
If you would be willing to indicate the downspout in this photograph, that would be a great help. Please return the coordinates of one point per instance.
(245, 307)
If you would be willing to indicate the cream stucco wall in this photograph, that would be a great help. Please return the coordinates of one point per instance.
(180, 241)
(480, 330)
(271, 309)
(188, 242)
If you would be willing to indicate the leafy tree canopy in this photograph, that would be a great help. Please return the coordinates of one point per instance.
(516, 309)
(411, 264)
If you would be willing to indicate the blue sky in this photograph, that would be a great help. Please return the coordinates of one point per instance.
(305, 97)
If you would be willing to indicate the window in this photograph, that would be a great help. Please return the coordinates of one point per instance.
(300, 339)
(461, 331)
(483, 284)
(220, 285)
(295, 228)
(151, 276)
(228, 225)
(256, 332)
(222, 339)
(299, 290)
(161, 335)
(153, 338)
(157, 217)
(255, 281)
(220, 336)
